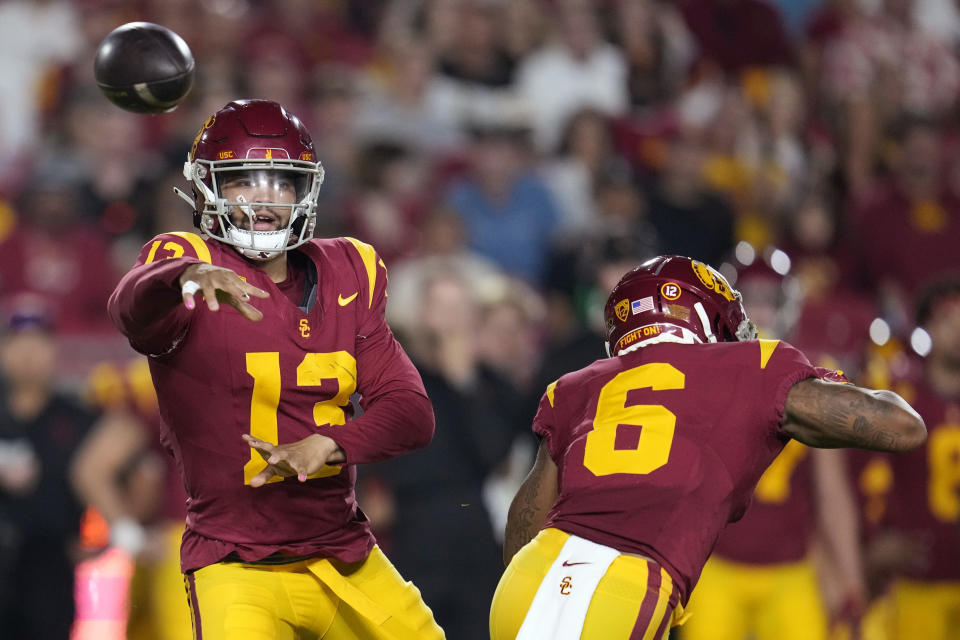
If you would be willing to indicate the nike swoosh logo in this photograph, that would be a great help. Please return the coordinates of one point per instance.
(345, 301)
(570, 564)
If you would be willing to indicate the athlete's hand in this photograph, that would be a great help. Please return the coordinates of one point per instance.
(217, 285)
(301, 458)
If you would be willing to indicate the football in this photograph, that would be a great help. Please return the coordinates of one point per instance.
(144, 68)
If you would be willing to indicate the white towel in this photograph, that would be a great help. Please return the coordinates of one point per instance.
(560, 606)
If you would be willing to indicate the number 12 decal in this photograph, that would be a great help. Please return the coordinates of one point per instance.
(264, 368)
(601, 456)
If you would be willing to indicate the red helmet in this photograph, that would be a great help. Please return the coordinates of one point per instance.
(254, 138)
(674, 299)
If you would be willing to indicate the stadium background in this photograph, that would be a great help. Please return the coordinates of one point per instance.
(509, 161)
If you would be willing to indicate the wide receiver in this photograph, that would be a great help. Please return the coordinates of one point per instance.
(645, 456)
(254, 390)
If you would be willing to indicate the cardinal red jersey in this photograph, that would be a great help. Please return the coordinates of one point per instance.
(660, 448)
(918, 493)
(219, 375)
(779, 525)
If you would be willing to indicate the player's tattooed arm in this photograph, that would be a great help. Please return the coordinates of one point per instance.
(530, 506)
(827, 414)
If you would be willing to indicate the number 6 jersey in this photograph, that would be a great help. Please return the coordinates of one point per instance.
(658, 449)
(323, 337)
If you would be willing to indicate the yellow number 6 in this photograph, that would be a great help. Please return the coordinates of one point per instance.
(601, 456)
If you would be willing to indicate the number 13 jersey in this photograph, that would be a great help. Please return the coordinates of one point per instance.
(658, 449)
(219, 375)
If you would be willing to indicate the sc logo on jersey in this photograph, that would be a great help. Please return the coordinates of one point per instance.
(566, 585)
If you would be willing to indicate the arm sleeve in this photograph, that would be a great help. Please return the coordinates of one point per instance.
(145, 306)
(398, 416)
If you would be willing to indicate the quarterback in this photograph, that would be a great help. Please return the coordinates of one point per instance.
(254, 385)
(646, 455)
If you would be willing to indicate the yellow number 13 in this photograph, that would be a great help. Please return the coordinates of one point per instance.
(264, 368)
(658, 423)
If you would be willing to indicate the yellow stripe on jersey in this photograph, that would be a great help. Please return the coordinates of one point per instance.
(550, 388)
(369, 256)
(766, 351)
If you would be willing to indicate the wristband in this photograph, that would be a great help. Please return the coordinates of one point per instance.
(127, 534)
(190, 287)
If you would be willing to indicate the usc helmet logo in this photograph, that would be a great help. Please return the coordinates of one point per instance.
(712, 280)
(622, 309)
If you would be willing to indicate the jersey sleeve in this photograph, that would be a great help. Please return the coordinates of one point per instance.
(781, 366)
(398, 416)
(146, 304)
(544, 422)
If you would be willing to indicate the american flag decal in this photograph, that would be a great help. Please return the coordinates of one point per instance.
(641, 305)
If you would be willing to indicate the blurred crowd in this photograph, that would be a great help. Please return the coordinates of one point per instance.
(510, 160)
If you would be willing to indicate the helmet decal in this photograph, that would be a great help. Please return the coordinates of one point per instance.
(673, 299)
(196, 140)
(670, 290)
(677, 311)
(712, 279)
(622, 308)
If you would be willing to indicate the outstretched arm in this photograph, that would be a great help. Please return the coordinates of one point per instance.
(830, 415)
(153, 304)
(530, 506)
